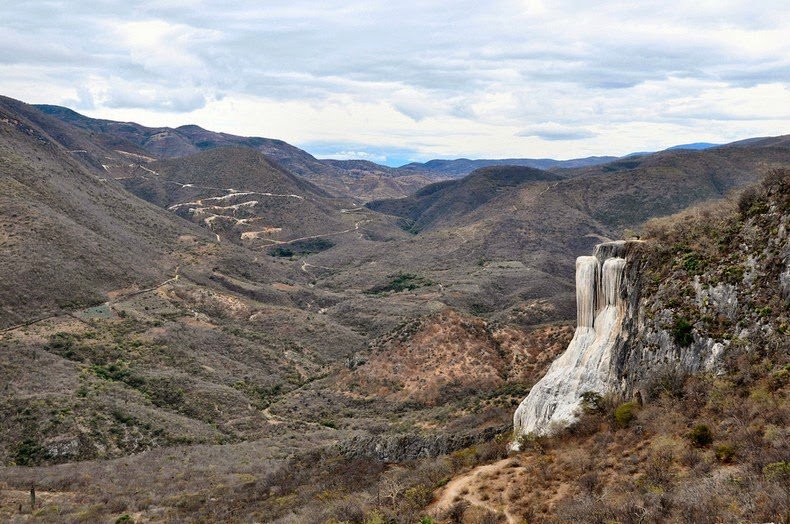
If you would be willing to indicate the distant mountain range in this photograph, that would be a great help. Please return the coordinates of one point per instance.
(265, 194)
(463, 166)
(361, 179)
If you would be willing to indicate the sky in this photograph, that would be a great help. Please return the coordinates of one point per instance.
(394, 82)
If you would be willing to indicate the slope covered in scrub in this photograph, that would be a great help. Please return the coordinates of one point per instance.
(705, 447)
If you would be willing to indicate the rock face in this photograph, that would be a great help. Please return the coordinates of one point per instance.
(623, 340)
(402, 448)
(587, 364)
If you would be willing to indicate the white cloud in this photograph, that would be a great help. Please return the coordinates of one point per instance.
(554, 131)
(503, 78)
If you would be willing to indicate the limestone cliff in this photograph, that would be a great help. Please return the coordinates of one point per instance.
(604, 298)
(703, 287)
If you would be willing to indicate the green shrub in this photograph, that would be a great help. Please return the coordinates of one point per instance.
(375, 517)
(682, 332)
(280, 251)
(700, 436)
(724, 453)
(692, 263)
(400, 282)
(733, 274)
(30, 453)
(777, 471)
(624, 414)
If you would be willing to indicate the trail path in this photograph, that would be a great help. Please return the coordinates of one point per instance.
(305, 265)
(114, 300)
(455, 488)
(355, 228)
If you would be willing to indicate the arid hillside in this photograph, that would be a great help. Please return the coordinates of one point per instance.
(210, 335)
(165, 143)
(70, 235)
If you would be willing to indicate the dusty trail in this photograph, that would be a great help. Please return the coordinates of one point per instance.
(456, 488)
(305, 264)
(312, 237)
(114, 300)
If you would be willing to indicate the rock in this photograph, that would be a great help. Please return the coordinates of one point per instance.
(401, 448)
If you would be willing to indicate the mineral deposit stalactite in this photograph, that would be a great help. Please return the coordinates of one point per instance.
(586, 365)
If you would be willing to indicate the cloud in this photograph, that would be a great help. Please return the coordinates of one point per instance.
(552, 131)
(117, 93)
(433, 78)
(379, 158)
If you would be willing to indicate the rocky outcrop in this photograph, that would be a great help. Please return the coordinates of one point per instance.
(617, 349)
(605, 302)
(402, 448)
(706, 291)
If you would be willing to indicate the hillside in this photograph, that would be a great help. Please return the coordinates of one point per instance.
(70, 236)
(438, 204)
(707, 446)
(503, 249)
(461, 167)
(632, 190)
(168, 143)
(239, 194)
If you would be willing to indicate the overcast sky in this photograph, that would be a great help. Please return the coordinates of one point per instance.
(393, 81)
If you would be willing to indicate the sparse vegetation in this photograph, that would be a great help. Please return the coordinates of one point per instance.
(336, 395)
(400, 282)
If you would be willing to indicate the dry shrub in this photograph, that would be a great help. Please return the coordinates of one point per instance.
(477, 515)
(455, 513)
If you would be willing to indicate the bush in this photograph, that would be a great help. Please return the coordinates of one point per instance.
(692, 263)
(280, 251)
(624, 414)
(700, 436)
(30, 453)
(777, 471)
(724, 453)
(400, 282)
(592, 402)
(682, 333)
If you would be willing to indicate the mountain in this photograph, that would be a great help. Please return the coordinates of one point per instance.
(239, 194)
(435, 205)
(621, 193)
(696, 146)
(70, 235)
(168, 143)
(463, 166)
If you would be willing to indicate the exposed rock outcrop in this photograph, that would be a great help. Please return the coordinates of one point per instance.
(616, 348)
(590, 362)
(401, 448)
(705, 292)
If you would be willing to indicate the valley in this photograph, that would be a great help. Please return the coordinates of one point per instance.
(199, 326)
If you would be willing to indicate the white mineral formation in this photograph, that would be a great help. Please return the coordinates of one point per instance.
(586, 365)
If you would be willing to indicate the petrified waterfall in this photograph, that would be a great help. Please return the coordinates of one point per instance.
(587, 363)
